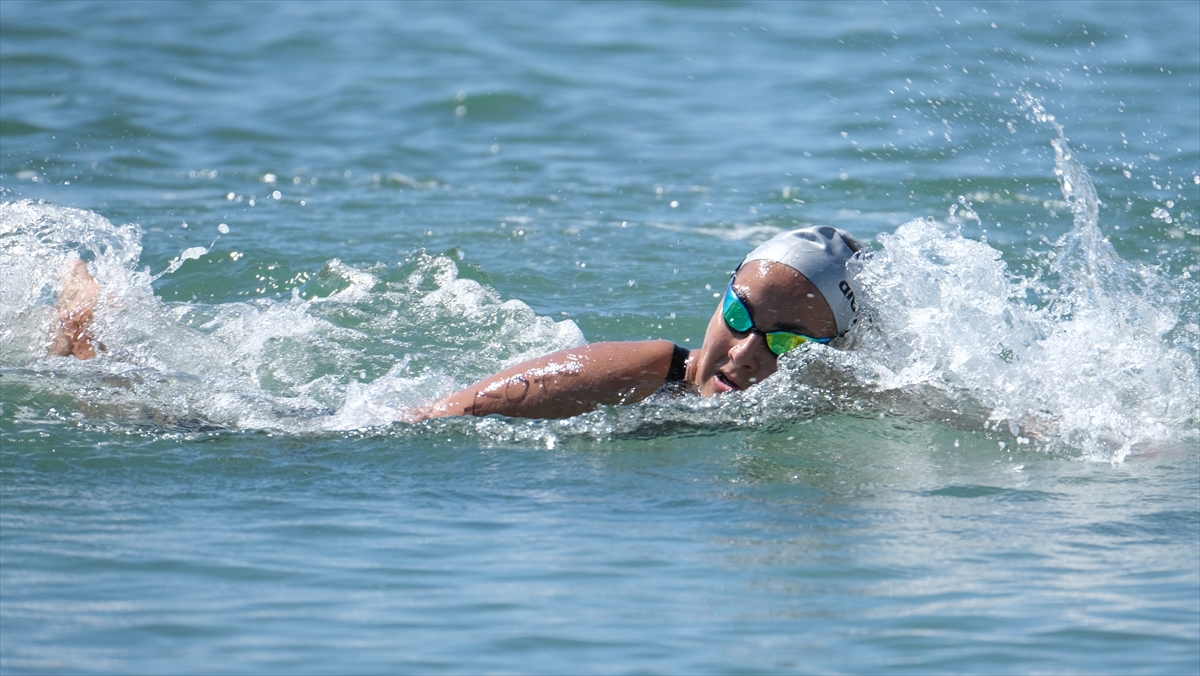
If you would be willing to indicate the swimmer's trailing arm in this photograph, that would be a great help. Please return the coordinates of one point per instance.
(562, 384)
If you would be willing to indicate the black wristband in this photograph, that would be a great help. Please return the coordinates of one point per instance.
(678, 370)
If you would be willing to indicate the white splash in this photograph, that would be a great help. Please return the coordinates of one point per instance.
(1102, 360)
(189, 254)
(372, 342)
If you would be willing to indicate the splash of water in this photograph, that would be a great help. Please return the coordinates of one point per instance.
(366, 343)
(1104, 361)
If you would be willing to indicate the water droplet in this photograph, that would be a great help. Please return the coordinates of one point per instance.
(223, 229)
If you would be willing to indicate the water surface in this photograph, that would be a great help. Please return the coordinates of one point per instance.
(309, 216)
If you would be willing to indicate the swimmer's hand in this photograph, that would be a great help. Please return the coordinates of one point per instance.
(75, 305)
(561, 384)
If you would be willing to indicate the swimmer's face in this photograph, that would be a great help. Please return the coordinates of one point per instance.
(779, 299)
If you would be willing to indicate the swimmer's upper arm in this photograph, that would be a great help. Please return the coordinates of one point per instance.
(564, 383)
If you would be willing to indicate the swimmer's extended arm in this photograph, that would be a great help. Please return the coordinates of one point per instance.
(564, 383)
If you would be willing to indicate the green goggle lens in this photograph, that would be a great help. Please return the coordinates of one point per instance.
(737, 317)
(781, 342)
(735, 312)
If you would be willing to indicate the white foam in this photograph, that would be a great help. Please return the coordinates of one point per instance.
(291, 364)
(1101, 361)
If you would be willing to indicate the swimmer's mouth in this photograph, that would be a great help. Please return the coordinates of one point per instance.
(724, 380)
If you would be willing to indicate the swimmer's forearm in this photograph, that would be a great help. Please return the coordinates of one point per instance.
(565, 383)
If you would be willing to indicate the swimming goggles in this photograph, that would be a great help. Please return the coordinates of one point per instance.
(737, 317)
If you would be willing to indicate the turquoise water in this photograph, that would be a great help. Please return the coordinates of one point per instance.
(308, 216)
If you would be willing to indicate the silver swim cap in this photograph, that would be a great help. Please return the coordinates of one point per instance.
(819, 253)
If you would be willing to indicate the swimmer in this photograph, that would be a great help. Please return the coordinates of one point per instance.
(794, 288)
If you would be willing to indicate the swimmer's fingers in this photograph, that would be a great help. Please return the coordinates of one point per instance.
(61, 345)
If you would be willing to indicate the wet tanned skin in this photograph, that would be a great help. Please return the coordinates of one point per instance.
(562, 384)
(75, 305)
(779, 299)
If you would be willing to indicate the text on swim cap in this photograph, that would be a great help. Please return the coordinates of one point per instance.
(849, 294)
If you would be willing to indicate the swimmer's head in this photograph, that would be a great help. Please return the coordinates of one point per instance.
(820, 254)
(784, 285)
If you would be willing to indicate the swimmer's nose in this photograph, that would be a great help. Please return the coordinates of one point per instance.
(749, 352)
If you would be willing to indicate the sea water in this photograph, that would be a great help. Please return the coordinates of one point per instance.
(308, 217)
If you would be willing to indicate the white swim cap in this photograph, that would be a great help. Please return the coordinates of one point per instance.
(819, 253)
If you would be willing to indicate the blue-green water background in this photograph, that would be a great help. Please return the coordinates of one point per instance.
(493, 168)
